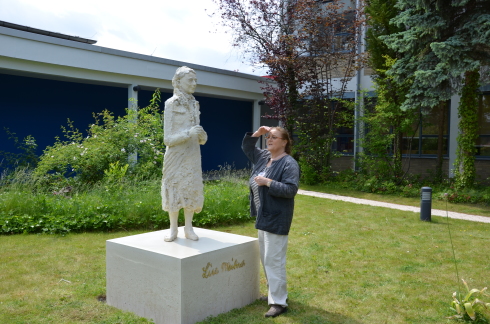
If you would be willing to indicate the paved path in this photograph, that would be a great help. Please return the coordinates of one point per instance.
(435, 212)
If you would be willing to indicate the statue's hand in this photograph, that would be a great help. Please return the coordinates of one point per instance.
(203, 138)
(200, 133)
(196, 130)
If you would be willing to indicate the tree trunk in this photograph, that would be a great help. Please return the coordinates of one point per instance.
(468, 127)
(397, 154)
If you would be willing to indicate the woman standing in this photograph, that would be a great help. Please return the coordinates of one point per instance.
(273, 185)
(182, 185)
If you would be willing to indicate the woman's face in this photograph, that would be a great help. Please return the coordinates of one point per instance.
(188, 83)
(275, 143)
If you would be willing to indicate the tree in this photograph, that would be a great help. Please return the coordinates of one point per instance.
(442, 41)
(331, 58)
(306, 45)
(388, 124)
(264, 32)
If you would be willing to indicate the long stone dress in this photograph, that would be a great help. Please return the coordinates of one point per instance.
(182, 185)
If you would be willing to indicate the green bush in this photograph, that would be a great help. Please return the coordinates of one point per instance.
(27, 157)
(410, 186)
(109, 140)
(115, 203)
(225, 199)
(309, 174)
(90, 183)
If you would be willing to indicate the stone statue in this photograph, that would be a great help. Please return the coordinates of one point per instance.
(182, 185)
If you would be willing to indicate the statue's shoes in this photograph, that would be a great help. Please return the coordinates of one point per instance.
(171, 237)
(189, 234)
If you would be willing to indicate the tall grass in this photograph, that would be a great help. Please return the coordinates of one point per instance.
(29, 205)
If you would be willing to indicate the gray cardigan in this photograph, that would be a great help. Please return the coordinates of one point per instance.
(275, 213)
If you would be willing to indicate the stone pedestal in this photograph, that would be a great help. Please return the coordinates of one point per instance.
(182, 281)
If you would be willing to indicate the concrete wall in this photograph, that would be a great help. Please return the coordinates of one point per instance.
(483, 170)
(423, 166)
(343, 163)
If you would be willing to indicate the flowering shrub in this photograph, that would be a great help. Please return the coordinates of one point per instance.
(110, 140)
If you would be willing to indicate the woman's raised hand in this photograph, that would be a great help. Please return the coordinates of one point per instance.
(261, 131)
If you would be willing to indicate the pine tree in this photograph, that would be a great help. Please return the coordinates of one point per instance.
(442, 40)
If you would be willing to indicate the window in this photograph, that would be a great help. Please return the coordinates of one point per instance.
(333, 33)
(483, 141)
(344, 137)
(426, 129)
(343, 43)
(344, 140)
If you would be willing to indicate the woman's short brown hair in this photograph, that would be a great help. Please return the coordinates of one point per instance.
(284, 136)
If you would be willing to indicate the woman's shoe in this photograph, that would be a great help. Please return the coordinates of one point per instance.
(275, 310)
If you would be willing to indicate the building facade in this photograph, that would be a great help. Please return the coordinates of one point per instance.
(420, 157)
(47, 78)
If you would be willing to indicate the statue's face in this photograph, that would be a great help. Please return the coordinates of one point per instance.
(188, 83)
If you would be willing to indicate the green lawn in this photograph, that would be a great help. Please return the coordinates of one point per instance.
(347, 263)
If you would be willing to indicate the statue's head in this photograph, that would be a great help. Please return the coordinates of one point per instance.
(185, 79)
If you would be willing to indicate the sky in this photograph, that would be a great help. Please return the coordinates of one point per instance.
(180, 30)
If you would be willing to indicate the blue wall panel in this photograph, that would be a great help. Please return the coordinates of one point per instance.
(226, 122)
(39, 107)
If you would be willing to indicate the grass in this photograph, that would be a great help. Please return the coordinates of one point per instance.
(56, 279)
(347, 264)
(472, 209)
(108, 206)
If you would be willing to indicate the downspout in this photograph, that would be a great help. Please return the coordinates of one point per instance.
(358, 102)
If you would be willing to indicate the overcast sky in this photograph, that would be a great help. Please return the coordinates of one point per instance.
(179, 30)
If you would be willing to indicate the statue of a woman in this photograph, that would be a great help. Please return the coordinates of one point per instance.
(182, 185)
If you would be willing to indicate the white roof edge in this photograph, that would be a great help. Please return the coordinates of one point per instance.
(110, 51)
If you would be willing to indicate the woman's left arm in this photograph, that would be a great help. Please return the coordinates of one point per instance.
(288, 186)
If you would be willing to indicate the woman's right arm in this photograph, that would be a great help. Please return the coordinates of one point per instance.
(252, 152)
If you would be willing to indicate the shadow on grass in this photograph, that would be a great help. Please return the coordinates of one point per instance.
(440, 221)
(297, 313)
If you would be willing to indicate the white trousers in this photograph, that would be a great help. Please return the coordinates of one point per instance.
(273, 249)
